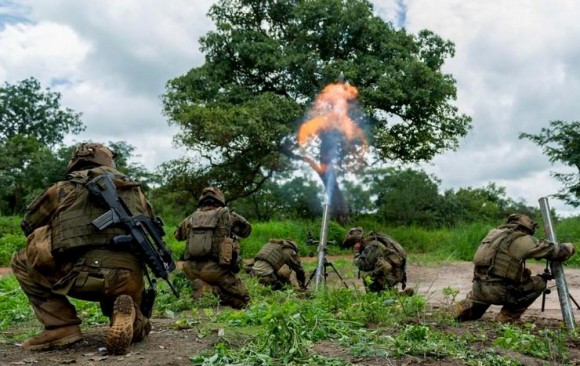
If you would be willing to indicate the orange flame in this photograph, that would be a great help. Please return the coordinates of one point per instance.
(330, 111)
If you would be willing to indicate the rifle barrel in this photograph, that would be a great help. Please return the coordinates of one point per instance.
(557, 268)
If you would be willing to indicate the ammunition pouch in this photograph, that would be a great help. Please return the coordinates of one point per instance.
(226, 252)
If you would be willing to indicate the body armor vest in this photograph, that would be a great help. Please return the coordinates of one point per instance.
(77, 208)
(205, 234)
(273, 253)
(492, 256)
(393, 251)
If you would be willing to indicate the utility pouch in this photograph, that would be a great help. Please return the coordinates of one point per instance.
(284, 272)
(90, 282)
(38, 250)
(226, 251)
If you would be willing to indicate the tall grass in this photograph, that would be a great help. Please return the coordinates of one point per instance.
(458, 243)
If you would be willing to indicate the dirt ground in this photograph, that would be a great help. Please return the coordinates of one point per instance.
(169, 346)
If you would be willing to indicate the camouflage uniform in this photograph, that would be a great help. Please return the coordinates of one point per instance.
(500, 276)
(274, 263)
(384, 260)
(212, 223)
(67, 256)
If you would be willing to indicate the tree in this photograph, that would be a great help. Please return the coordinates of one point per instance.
(27, 110)
(123, 154)
(266, 61)
(561, 143)
(405, 196)
(32, 125)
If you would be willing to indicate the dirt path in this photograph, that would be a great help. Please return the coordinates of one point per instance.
(169, 346)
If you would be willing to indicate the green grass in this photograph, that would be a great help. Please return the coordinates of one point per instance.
(457, 243)
(284, 327)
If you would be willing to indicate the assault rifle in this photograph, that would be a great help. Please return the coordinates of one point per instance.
(144, 234)
(557, 270)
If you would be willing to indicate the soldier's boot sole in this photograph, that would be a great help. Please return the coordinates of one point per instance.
(119, 337)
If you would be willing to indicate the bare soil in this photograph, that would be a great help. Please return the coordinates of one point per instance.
(167, 345)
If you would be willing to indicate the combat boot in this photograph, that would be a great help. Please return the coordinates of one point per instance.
(503, 317)
(50, 338)
(120, 335)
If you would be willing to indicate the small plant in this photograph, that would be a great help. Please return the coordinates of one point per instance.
(548, 344)
(449, 295)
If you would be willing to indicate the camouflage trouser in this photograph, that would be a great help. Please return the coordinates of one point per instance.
(266, 275)
(98, 275)
(383, 277)
(274, 281)
(514, 298)
(227, 285)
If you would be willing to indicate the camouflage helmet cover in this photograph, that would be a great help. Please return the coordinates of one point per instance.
(291, 244)
(91, 154)
(353, 238)
(524, 221)
(212, 192)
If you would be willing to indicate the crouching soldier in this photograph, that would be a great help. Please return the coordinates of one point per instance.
(274, 263)
(500, 276)
(384, 260)
(212, 249)
(67, 256)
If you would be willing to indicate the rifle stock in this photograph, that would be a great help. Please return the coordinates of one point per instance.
(557, 268)
(143, 233)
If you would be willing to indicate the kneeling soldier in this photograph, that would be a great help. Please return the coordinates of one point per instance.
(274, 263)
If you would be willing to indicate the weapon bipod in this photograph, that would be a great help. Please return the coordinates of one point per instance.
(326, 264)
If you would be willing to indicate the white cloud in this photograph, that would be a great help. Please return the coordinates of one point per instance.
(517, 67)
(48, 50)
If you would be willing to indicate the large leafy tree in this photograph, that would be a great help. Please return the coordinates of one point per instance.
(405, 196)
(266, 61)
(561, 143)
(32, 125)
(28, 110)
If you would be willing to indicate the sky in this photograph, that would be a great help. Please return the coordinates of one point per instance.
(517, 66)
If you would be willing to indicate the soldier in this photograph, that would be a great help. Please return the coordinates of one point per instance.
(212, 249)
(384, 260)
(275, 262)
(500, 276)
(66, 256)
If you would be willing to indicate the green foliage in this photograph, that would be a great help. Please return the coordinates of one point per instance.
(546, 344)
(14, 307)
(32, 123)
(406, 197)
(561, 143)
(29, 111)
(295, 198)
(9, 244)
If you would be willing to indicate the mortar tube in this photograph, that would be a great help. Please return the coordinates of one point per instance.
(557, 268)
(322, 245)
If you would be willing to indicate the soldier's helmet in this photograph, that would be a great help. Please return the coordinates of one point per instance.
(291, 244)
(89, 155)
(524, 221)
(353, 236)
(210, 194)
